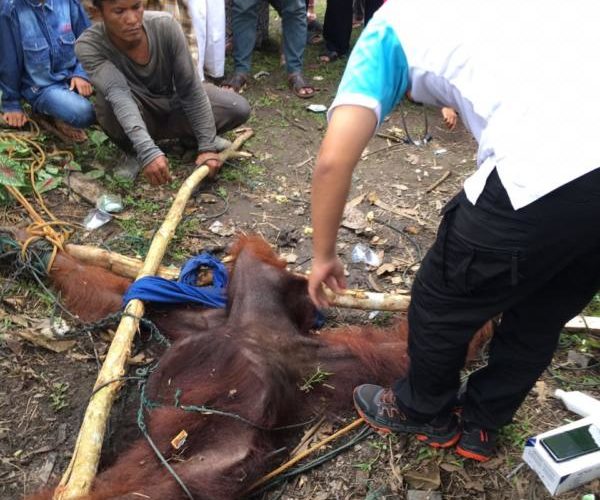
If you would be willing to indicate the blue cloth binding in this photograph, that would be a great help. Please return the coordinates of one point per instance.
(163, 291)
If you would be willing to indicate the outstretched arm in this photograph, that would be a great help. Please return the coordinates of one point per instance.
(375, 79)
(349, 131)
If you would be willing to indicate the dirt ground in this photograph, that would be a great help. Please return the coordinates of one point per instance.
(44, 394)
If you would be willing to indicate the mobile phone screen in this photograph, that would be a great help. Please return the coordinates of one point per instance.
(573, 443)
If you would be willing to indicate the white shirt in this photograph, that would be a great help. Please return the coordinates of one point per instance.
(524, 76)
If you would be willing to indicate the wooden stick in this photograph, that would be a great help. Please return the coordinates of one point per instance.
(438, 182)
(77, 479)
(129, 267)
(297, 458)
(370, 301)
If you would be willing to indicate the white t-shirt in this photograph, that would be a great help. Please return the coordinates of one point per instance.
(524, 76)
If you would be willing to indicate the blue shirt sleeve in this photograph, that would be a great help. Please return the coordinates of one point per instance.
(11, 61)
(80, 22)
(377, 75)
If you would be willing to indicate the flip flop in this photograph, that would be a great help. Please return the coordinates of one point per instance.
(297, 83)
(329, 56)
(237, 82)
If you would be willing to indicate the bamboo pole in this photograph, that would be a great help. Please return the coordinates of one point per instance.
(77, 479)
(129, 267)
(368, 301)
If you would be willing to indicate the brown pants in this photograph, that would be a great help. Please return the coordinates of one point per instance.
(166, 119)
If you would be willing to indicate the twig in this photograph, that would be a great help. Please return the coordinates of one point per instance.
(391, 146)
(291, 122)
(390, 137)
(438, 182)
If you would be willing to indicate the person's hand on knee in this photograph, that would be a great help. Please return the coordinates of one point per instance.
(211, 160)
(15, 119)
(157, 171)
(82, 86)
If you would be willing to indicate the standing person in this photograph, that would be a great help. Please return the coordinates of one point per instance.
(148, 89)
(38, 65)
(519, 239)
(337, 29)
(293, 27)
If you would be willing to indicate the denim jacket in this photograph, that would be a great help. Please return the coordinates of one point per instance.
(37, 43)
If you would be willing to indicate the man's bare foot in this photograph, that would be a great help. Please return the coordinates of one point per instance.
(75, 134)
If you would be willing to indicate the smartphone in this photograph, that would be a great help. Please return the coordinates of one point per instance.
(572, 443)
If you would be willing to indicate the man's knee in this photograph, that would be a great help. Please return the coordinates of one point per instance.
(81, 113)
(239, 111)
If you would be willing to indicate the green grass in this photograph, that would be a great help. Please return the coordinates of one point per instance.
(514, 435)
(593, 308)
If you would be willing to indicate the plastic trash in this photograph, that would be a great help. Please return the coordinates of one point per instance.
(579, 402)
(111, 203)
(317, 108)
(362, 253)
(96, 218)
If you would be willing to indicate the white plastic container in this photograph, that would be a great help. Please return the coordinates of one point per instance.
(579, 402)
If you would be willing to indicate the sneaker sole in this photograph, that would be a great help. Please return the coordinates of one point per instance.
(421, 437)
(436, 444)
(472, 455)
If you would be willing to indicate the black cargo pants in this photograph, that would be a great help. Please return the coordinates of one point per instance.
(539, 266)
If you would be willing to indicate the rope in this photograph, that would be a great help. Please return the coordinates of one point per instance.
(39, 228)
(297, 458)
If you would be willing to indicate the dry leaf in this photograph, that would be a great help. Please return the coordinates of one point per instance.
(35, 337)
(412, 159)
(412, 230)
(475, 485)
(429, 478)
(355, 201)
(388, 267)
(354, 219)
(542, 391)
(18, 320)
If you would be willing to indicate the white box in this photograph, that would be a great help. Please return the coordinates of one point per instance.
(559, 477)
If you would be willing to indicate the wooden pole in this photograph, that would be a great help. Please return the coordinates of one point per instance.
(129, 267)
(77, 479)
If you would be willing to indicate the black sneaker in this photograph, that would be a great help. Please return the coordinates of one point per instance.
(476, 443)
(379, 409)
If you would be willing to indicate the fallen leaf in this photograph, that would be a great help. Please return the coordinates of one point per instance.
(354, 219)
(542, 391)
(52, 345)
(412, 159)
(412, 230)
(429, 478)
(475, 485)
(355, 201)
(388, 267)
(18, 320)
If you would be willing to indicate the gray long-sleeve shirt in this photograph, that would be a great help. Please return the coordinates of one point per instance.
(168, 74)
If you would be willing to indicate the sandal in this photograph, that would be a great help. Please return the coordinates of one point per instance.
(329, 56)
(299, 86)
(237, 82)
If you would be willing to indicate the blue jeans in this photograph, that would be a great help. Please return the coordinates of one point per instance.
(63, 104)
(293, 21)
